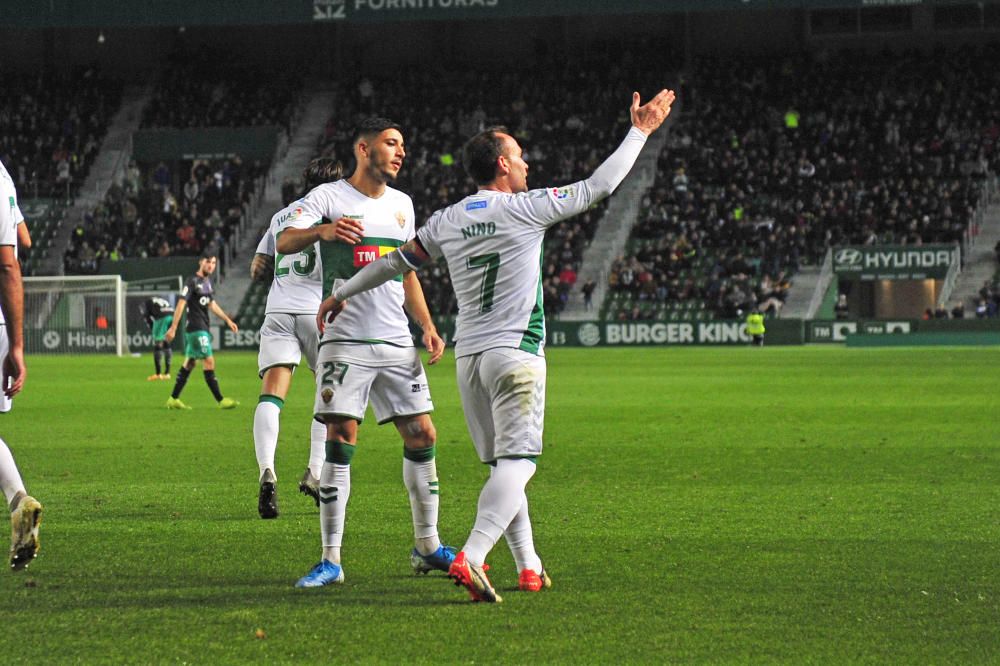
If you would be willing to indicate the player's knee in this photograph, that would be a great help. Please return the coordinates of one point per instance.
(341, 431)
(419, 434)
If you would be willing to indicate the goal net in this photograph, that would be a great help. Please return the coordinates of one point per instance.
(93, 314)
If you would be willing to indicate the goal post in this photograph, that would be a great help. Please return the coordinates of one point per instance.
(85, 314)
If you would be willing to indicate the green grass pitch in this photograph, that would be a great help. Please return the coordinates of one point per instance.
(798, 505)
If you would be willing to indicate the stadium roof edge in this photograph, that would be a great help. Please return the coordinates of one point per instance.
(166, 13)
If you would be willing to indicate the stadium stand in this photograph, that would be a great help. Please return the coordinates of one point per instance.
(43, 217)
(988, 301)
(768, 168)
(210, 87)
(568, 115)
(162, 210)
(51, 130)
(157, 213)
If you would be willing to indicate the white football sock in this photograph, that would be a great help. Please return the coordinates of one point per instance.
(317, 447)
(10, 479)
(421, 482)
(522, 544)
(334, 491)
(499, 502)
(265, 434)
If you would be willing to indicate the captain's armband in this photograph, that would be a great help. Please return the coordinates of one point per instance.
(413, 254)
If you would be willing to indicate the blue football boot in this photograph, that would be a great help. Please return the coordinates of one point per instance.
(324, 573)
(440, 560)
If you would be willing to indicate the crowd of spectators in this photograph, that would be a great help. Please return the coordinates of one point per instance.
(183, 207)
(776, 159)
(204, 87)
(156, 212)
(51, 129)
(568, 116)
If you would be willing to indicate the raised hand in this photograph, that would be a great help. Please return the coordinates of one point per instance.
(648, 117)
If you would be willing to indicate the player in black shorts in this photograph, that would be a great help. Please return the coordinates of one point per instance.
(197, 298)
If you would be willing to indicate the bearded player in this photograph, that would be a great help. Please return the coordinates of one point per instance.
(370, 357)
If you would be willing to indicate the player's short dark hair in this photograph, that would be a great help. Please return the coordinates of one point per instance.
(480, 154)
(373, 126)
(208, 253)
(321, 170)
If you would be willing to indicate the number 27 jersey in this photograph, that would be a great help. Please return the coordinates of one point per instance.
(375, 316)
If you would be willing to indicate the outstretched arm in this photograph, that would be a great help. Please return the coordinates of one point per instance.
(409, 257)
(556, 204)
(646, 119)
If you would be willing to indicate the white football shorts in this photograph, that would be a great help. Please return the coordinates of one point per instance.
(503, 397)
(284, 338)
(349, 375)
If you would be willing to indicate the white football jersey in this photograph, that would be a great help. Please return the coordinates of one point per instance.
(10, 215)
(298, 281)
(376, 315)
(492, 242)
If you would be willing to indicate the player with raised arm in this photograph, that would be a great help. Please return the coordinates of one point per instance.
(197, 298)
(371, 355)
(25, 510)
(289, 333)
(158, 314)
(492, 243)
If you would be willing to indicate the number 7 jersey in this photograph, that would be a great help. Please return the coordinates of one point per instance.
(298, 279)
(492, 242)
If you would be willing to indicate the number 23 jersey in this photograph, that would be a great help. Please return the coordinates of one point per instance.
(298, 282)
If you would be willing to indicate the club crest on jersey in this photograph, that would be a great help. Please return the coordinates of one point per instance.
(401, 218)
(563, 192)
(327, 395)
